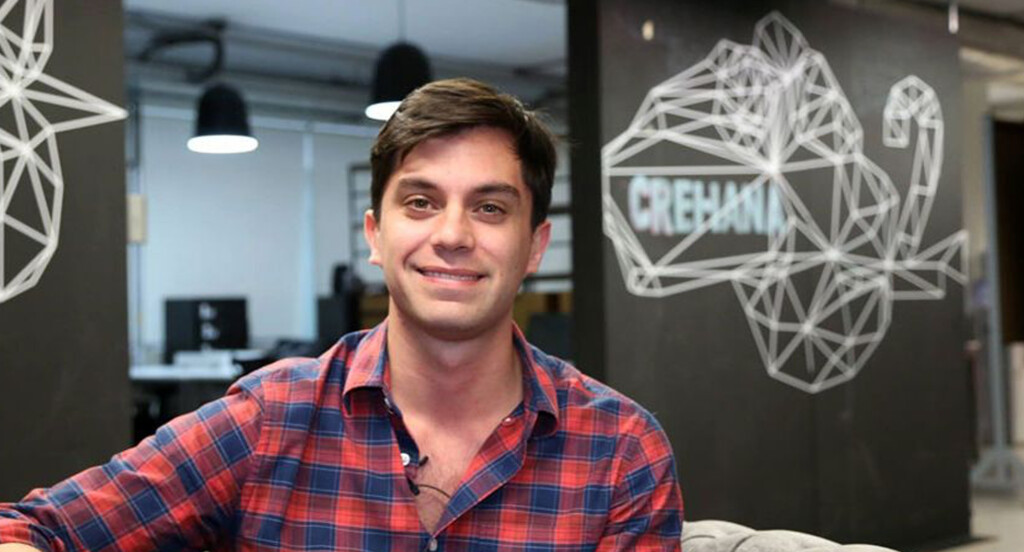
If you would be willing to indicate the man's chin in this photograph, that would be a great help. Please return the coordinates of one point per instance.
(448, 320)
(454, 329)
(456, 326)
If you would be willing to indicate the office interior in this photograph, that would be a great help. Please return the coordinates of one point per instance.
(176, 272)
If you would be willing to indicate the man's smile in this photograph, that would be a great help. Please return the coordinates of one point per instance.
(450, 274)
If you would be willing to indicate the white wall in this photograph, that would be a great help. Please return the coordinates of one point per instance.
(222, 225)
(266, 225)
(332, 157)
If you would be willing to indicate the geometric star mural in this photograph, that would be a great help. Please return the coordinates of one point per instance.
(819, 242)
(32, 183)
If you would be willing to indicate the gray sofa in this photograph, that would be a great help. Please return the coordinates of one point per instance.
(722, 536)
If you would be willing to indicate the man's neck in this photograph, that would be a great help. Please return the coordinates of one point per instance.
(453, 381)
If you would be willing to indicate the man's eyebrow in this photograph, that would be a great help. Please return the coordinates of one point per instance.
(413, 184)
(497, 188)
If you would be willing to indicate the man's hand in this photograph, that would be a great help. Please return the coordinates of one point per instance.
(17, 547)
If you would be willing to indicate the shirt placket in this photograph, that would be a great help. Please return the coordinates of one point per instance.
(409, 454)
(408, 451)
(491, 474)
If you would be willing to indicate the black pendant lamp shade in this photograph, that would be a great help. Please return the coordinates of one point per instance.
(401, 69)
(222, 123)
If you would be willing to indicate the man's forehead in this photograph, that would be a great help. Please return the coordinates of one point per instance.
(418, 162)
(479, 134)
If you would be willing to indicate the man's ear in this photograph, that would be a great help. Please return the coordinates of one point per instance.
(371, 231)
(538, 245)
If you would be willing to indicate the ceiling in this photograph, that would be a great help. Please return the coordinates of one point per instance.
(331, 45)
(999, 9)
(519, 33)
(526, 36)
(317, 56)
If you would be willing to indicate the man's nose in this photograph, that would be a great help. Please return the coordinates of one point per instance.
(454, 230)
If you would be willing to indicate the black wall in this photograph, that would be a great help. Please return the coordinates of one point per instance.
(64, 396)
(882, 458)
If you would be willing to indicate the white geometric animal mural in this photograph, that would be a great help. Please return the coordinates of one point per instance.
(31, 170)
(770, 153)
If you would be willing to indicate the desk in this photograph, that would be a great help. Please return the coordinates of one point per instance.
(177, 373)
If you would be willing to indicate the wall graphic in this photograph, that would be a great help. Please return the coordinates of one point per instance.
(31, 175)
(758, 130)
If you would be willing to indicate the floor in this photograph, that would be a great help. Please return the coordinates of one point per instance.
(998, 520)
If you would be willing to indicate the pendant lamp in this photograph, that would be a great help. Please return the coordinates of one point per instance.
(222, 123)
(401, 68)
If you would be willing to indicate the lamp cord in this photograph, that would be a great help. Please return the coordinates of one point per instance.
(401, 20)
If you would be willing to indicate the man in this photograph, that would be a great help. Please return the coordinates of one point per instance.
(441, 429)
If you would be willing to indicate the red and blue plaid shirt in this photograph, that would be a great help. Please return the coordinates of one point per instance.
(307, 455)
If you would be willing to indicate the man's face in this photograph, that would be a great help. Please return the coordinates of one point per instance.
(454, 236)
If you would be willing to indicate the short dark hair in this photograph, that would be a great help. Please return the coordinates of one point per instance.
(447, 107)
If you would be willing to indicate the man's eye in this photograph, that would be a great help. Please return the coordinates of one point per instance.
(418, 203)
(491, 209)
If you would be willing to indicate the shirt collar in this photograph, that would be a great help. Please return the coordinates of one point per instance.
(367, 369)
(366, 364)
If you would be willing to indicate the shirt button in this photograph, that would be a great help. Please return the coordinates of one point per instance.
(507, 421)
(406, 459)
(387, 404)
(432, 545)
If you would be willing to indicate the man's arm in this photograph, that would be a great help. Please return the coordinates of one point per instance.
(176, 489)
(647, 506)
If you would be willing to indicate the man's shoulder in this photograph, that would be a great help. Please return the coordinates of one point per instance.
(582, 397)
(281, 374)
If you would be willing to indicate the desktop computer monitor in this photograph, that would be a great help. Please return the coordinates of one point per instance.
(192, 324)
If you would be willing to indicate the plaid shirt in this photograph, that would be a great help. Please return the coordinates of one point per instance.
(307, 455)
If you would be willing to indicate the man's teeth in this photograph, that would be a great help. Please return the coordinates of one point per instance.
(446, 276)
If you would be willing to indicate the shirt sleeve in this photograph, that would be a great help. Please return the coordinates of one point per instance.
(647, 506)
(177, 489)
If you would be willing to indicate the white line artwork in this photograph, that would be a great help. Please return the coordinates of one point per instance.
(31, 170)
(770, 150)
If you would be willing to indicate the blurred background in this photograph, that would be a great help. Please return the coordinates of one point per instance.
(179, 270)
